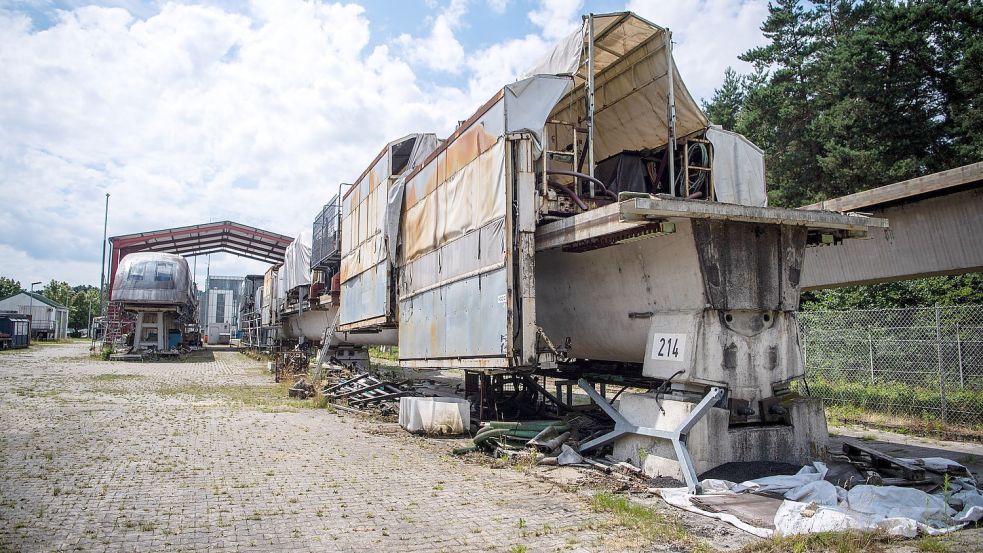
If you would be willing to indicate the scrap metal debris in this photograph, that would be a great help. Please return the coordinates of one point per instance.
(301, 389)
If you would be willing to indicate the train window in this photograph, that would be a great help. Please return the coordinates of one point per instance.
(165, 272)
(136, 271)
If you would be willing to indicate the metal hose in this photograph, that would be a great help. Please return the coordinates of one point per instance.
(575, 174)
(569, 193)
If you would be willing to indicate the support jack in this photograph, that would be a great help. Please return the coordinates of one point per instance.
(677, 436)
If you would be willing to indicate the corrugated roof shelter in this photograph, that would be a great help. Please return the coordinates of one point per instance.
(49, 318)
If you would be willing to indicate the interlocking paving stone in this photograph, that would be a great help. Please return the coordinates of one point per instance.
(204, 456)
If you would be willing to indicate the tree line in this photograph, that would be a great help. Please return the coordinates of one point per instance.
(846, 96)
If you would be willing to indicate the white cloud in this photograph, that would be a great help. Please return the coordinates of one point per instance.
(193, 114)
(198, 113)
(557, 18)
(708, 35)
(440, 50)
(498, 6)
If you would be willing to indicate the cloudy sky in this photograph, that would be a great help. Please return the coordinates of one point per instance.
(255, 111)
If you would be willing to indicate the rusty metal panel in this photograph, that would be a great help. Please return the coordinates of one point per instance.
(367, 286)
(365, 295)
(466, 255)
(463, 319)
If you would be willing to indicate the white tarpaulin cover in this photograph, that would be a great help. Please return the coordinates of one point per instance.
(296, 269)
(738, 169)
(435, 415)
(814, 505)
(631, 98)
(631, 85)
(563, 59)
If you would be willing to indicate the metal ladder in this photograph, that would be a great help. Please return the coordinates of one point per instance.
(325, 344)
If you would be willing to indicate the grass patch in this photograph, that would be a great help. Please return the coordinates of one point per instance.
(823, 542)
(932, 544)
(391, 353)
(113, 377)
(267, 397)
(900, 407)
(653, 526)
(49, 343)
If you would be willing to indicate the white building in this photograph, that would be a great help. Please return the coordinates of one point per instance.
(49, 319)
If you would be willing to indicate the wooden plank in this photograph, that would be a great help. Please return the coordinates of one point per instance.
(910, 471)
(904, 190)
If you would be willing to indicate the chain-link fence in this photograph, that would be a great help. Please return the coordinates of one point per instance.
(924, 363)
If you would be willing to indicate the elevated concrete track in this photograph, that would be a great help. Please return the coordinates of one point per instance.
(936, 228)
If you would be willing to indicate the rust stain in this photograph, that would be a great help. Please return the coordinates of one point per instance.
(373, 181)
(467, 124)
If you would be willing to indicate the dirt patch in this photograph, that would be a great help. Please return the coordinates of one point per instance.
(740, 472)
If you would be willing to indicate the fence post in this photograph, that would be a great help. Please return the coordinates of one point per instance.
(959, 358)
(870, 355)
(938, 355)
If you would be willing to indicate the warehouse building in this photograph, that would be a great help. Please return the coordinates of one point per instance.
(49, 318)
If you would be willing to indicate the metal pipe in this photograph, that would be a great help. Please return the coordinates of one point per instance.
(102, 266)
(671, 114)
(570, 194)
(585, 177)
(590, 95)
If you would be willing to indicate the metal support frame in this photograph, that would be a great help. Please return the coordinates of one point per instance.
(671, 115)
(677, 437)
(589, 94)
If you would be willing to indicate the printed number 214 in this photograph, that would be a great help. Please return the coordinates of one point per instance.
(668, 347)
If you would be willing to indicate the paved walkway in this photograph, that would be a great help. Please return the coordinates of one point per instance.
(206, 456)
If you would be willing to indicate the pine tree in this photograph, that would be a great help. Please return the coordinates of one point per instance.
(725, 106)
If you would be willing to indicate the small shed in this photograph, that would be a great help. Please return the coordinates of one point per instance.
(49, 319)
(14, 330)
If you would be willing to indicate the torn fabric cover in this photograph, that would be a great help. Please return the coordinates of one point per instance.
(738, 169)
(812, 504)
(528, 103)
(631, 88)
(296, 269)
(631, 101)
(563, 59)
(425, 144)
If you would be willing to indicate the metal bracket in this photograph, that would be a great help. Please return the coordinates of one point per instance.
(677, 436)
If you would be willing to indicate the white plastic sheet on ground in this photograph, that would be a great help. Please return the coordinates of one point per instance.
(435, 415)
(814, 505)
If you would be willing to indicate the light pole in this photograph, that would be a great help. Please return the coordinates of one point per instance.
(31, 295)
(102, 266)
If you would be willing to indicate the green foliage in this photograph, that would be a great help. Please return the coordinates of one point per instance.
(728, 100)
(944, 290)
(58, 292)
(84, 302)
(9, 287)
(847, 96)
(652, 525)
(898, 398)
(850, 541)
